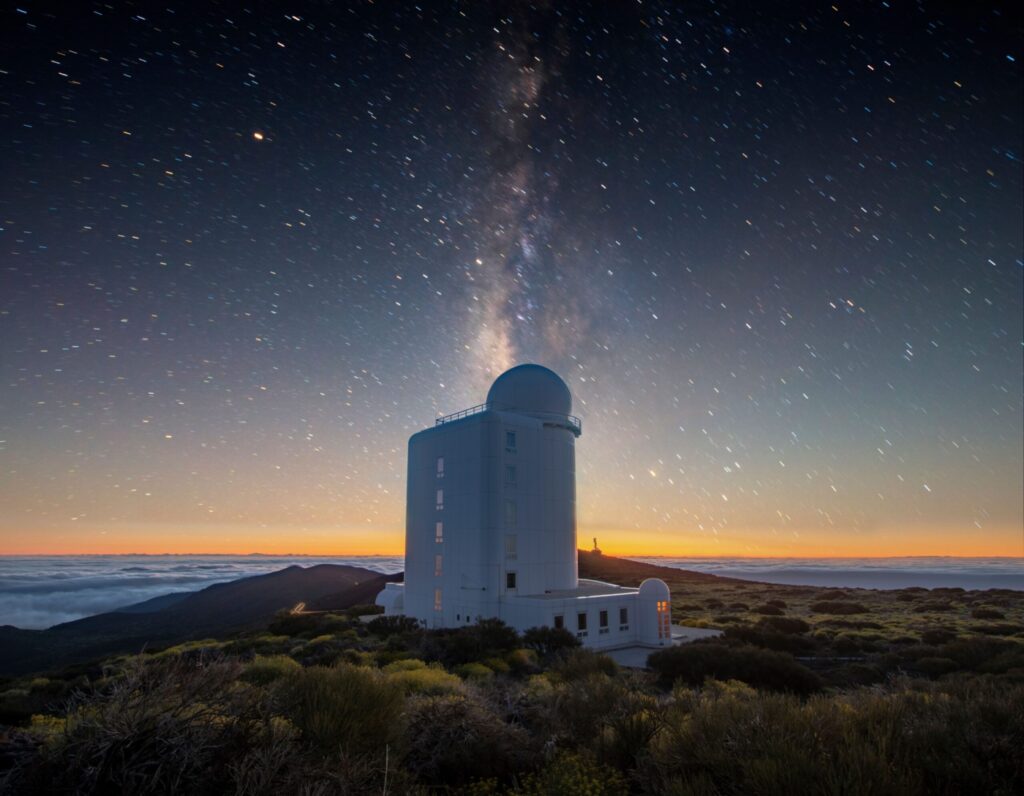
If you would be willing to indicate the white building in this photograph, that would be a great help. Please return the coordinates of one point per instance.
(491, 524)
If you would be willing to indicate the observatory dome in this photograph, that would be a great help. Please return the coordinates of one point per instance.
(529, 389)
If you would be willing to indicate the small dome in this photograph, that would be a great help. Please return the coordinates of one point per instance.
(531, 388)
(654, 589)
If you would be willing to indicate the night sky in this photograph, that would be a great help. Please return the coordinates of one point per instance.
(246, 251)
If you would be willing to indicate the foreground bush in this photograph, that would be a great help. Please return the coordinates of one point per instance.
(694, 663)
(348, 710)
(452, 740)
(731, 739)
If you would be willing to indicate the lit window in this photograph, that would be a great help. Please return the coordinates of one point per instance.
(440, 499)
(510, 580)
(437, 566)
(510, 474)
(559, 622)
(510, 440)
(440, 466)
(510, 545)
(437, 599)
(581, 621)
(510, 513)
(439, 532)
(664, 619)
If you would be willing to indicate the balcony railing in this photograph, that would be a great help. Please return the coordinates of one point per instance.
(571, 422)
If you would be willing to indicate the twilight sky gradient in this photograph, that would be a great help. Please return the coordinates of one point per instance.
(246, 251)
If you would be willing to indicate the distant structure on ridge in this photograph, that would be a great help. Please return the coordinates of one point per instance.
(490, 526)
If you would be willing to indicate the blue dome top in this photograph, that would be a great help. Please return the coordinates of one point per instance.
(531, 389)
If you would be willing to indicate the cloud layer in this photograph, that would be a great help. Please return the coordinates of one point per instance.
(45, 591)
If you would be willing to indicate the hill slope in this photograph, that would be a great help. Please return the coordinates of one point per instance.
(237, 605)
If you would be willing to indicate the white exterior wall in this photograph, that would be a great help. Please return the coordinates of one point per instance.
(483, 540)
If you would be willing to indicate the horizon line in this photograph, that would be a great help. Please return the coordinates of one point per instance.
(256, 554)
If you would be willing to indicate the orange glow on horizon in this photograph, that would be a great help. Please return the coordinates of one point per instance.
(234, 540)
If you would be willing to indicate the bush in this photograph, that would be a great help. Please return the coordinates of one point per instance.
(452, 740)
(392, 625)
(571, 774)
(267, 669)
(767, 610)
(347, 709)
(578, 664)
(838, 607)
(782, 624)
(549, 641)
(983, 612)
(762, 636)
(728, 740)
(694, 663)
(431, 679)
(937, 635)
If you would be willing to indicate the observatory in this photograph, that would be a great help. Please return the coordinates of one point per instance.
(491, 524)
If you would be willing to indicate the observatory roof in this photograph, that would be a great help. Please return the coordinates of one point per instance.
(530, 389)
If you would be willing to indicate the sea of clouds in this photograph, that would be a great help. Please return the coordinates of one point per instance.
(38, 592)
(864, 573)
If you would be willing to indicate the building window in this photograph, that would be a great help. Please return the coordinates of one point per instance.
(510, 545)
(603, 619)
(623, 619)
(559, 622)
(510, 440)
(440, 499)
(510, 513)
(437, 599)
(510, 580)
(664, 620)
(439, 532)
(437, 566)
(581, 621)
(440, 466)
(510, 474)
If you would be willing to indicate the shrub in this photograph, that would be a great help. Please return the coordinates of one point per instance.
(392, 625)
(474, 671)
(265, 669)
(549, 641)
(933, 607)
(431, 679)
(694, 663)
(777, 603)
(937, 635)
(454, 646)
(573, 774)
(767, 610)
(578, 664)
(983, 612)
(452, 740)
(782, 624)
(160, 726)
(350, 709)
(872, 741)
(761, 636)
(838, 607)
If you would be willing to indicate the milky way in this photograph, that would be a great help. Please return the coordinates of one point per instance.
(776, 254)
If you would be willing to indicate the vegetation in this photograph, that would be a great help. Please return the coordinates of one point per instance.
(884, 699)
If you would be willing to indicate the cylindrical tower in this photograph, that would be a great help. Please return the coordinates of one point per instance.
(537, 451)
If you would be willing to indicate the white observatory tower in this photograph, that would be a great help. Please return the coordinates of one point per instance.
(491, 523)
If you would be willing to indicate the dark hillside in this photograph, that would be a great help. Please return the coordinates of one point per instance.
(238, 605)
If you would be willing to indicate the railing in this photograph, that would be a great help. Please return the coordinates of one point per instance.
(571, 422)
(473, 410)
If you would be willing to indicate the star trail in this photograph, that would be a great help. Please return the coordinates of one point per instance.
(774, 249)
